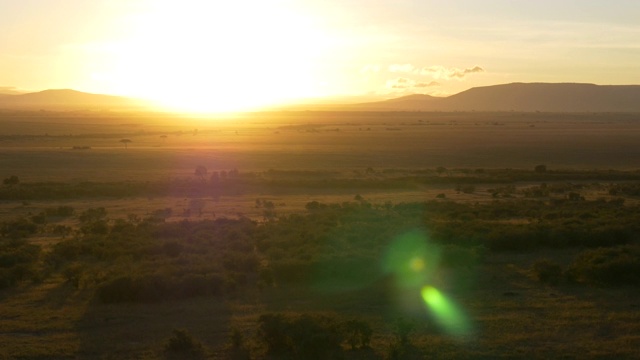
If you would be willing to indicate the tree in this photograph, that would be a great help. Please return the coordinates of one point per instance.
(201, 172)
(540, 168)
(11, 180)
(125, 142)
(215, 177)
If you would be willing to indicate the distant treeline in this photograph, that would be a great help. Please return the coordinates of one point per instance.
(281, 180)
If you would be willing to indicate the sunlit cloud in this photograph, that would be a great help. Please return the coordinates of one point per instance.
(436, 71)
(405, 83)
(429, 84)
(10, 90)
(419, 79)
(441, 72)
(400, 83)
(404, 68)
(370, 69)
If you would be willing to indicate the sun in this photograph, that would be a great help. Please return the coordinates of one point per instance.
(211, 56)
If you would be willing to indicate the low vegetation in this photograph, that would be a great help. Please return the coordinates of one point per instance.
(330, 280)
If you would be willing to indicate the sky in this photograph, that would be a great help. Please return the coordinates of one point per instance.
(241, 54)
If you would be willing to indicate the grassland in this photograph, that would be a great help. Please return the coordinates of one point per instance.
(213, 225)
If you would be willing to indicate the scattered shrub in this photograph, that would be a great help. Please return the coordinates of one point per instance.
(461, 257)
(17, 261)
(39, 219)
(236, 338)
(73, 274)
(93, 214)
(547, 271)
(315, 337)
(172, 248)
(403, 329)
(118, 290)
(540, 168)
(273, 332)
(18, 228)
(183, 345)
(618, 265)
(302, 337)
(11, 180)
(358, 333)
(61, 211)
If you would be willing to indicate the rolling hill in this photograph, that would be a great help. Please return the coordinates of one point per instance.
(524, 97)
(527, 97)
(66, 99)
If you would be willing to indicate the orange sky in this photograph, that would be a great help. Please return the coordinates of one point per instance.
(238, 55)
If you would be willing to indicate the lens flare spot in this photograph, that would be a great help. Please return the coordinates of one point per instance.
(445, 311)
(417, 264)
(412, 259)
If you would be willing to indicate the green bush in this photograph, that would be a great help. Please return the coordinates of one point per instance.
(547, 271)
(18, 260)
(183, 345)
(403, 330)
(160, 287)
(618, 265)
(302, 337)
(18, 228)
(273, 330)
(358, 333)
(122, 289)
(61, 211)
(93, 214)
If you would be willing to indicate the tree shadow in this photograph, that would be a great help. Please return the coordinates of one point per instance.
(141, 330)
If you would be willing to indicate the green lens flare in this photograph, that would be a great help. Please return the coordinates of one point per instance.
(412, 259)
(445, 311)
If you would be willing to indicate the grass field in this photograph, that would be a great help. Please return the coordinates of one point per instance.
(303, 222)
(316, 141)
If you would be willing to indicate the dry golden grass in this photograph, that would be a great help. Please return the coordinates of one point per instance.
(309, 141)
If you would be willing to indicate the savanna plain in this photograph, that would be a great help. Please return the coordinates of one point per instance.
(319, 235)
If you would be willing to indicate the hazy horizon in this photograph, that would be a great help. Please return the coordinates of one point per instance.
(241, 55)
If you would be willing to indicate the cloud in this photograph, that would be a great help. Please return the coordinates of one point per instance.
(436, 71)
(369, 68)
(9, 90)
(404, 68)
(441, 72)
(404, 83)
(399, 83)
(429, 84)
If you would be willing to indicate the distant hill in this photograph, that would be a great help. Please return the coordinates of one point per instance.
(548, 97)
(527, 97)
(66, 99)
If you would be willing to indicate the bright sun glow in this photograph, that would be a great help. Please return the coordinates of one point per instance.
(206, 56)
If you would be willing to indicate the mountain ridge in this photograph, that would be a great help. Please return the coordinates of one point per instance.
(65, 99)
(521, 97)
(525, 97)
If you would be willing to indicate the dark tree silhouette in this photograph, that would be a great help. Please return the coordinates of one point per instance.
(11, 180)
(201, 171)
(215, 177)
(125, 142)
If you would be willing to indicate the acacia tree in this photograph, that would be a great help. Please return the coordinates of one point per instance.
(125, 142)
(540, 168)
(201, 172)
(10, 181)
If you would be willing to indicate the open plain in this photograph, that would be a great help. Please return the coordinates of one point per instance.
(141, 235)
